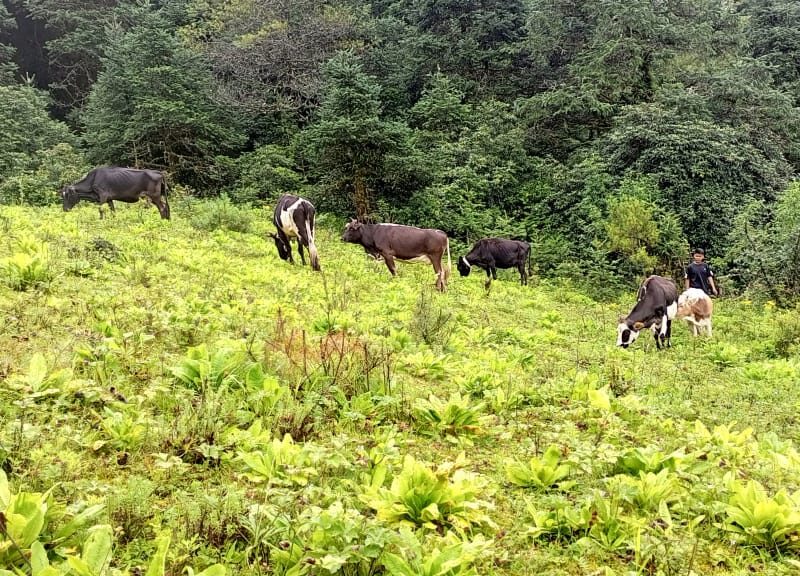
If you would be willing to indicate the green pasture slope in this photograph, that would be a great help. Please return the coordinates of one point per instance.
(193, 403)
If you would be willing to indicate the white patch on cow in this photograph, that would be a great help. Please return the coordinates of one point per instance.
(663, 324)
(287, 219)
(422, 258)
(672, 310)
(464, 259)
(623, 338)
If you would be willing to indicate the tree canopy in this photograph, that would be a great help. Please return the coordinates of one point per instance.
(524, 118)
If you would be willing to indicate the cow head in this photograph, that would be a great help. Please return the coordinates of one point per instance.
(284, 250)
(463, 266)
(69, 197)
(352, 232)
(627, 334)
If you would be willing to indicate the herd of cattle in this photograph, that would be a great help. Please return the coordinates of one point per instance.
(657, 300)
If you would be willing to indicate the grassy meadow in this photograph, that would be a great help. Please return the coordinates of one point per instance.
(176, 400)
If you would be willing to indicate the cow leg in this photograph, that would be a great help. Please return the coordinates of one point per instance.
(669, 332)
(488, 279)
(389, 259)
(300, 250)
(523, 274)
(111, 206)
(657, 335)
(287, 243)
(708, 326)
(437, 267)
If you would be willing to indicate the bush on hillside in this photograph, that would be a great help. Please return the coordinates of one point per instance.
(44, 175)
(220, 214)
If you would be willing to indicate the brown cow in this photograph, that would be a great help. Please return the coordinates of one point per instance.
(696, 307)
(409, 243)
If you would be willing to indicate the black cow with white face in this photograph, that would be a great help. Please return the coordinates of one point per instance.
(294, 218)
(493, 253)
(106, 184)
(656, 306)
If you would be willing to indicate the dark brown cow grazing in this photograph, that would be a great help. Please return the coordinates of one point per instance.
(391, 241)
(294, 218)
(493, 253)
(106, 184)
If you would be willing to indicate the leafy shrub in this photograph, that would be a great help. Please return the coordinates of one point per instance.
(31, 520)
(29, 269)
(453, 417)
(419, 497)
(220, 214)
(338, 539)
(39, 182)
(787, 334)
(431, 322)
(27, 128)
(447, 557)
(264, 174)
(541, 473)
(758, 520)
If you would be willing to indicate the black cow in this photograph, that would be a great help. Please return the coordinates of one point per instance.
(409, 243)
(493, 253)
(294, 218)
(656, 306)
(106, 184)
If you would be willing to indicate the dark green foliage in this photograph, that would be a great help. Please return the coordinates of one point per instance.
(349, 142)
(264, 174)
(267, 55)
(76, 47)
(480, 41)
(7, 66)
(36, 153)
(525, 119)
(706, 171)
(765, 247)
(26, 127)
(152, 105)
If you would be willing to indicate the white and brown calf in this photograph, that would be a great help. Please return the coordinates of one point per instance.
(696, 307)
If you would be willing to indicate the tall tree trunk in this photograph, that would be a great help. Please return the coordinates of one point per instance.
(361, 196)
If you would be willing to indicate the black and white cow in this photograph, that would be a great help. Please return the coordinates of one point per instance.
(493, 253)
(394, 241)
(656, 306)
(294, 218)
(106, 184)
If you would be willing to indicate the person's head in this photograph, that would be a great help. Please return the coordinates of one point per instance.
(699, 255)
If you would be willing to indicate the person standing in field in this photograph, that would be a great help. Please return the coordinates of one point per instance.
(699, 274)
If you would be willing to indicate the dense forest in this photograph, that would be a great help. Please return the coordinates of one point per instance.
(612, 134)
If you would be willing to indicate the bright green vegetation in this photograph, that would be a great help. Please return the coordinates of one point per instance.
(178, 400)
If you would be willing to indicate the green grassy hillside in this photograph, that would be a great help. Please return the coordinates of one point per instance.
(188, 399)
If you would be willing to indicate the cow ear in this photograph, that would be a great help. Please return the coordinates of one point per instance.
(638, 326)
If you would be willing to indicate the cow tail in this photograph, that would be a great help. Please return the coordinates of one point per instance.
(449, 268)
(312, 247)
(530, 269)
(164, 193)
